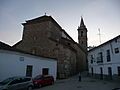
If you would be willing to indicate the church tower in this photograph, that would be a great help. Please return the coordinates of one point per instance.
(82, 35)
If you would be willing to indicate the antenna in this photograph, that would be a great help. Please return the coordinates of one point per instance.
(99, 35)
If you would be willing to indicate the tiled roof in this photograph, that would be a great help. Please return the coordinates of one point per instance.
(4, 46)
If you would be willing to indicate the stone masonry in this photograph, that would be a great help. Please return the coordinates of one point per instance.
(43, 36)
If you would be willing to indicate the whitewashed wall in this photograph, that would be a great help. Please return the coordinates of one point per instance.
(115, 58)
(11, 65)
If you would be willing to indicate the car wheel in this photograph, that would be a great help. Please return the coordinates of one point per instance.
(52, 82)
(30, 88)
(39, 85)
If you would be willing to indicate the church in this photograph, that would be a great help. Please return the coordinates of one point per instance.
(43, 36)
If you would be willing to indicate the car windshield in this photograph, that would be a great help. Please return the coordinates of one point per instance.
(38, 77)
(6, 81)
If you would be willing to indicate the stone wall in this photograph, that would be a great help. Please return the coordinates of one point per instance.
(81, 59)
(45, 39)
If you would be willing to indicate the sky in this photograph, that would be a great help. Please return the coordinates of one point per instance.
(103, 14)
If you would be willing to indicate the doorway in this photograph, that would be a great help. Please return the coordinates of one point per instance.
(29, 70)
(110, 72)
(101, 73)
(92, 71)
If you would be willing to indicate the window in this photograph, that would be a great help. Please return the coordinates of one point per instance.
(116, 50)
(26, 79)
(100, 57)
(81, 33)
(82, 42)
(116, 40)
(21, 58)
(56, 44)
(15, 81)
(45, 71)
(29, 70)
(108, 55)
(119, 71)
(68, 43)
(91, 58)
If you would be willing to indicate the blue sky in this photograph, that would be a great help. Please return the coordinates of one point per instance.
(103, 14)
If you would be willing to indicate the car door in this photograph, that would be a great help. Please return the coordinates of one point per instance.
(43, 81)
(22, 84)
(25, 83)
(47, 80)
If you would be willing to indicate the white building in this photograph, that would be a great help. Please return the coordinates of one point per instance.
(104, 60)
(17, 63)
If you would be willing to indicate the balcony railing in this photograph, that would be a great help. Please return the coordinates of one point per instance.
(99, 60)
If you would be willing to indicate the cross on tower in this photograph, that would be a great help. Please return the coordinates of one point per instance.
(45, 13)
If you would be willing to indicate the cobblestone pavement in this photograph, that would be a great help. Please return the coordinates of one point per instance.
(87, 83)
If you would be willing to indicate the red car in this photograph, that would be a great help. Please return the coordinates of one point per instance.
(43, 80)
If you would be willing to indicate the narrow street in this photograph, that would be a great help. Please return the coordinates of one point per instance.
(86, 84)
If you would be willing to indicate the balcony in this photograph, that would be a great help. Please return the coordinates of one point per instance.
(99, 60)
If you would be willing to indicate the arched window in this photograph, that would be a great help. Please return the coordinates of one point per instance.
(82, 42)
(81, 33)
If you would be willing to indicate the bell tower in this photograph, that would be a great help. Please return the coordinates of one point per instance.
(82, 35)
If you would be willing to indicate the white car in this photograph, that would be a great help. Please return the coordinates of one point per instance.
(17, 83)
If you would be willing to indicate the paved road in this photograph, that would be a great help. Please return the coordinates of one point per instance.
(86, 84)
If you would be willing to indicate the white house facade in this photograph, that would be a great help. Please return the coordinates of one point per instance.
(104, 60)
(15, 63)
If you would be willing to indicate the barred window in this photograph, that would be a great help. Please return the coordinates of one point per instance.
(108, 55)
(116, 50)
(100, 57)
(91, 58)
